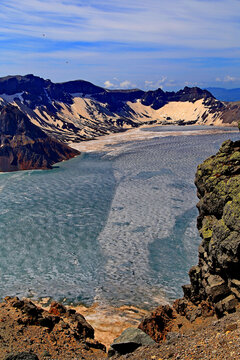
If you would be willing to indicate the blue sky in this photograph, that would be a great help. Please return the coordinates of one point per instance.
(123, 44)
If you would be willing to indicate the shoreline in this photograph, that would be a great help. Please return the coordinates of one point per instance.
(109, 141)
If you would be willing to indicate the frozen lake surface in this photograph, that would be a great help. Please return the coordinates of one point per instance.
(115, 227)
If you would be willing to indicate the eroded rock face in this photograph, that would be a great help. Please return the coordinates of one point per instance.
(24, 146)
(216, 278)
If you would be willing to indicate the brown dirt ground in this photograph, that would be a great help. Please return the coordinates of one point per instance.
(205, 338)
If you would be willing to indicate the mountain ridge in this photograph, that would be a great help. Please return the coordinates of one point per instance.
(78, 110)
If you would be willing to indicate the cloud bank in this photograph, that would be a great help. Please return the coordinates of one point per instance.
(136, 40)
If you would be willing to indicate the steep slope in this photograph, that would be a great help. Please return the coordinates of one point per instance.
(217, 278)
(78, 110)
(23, 145)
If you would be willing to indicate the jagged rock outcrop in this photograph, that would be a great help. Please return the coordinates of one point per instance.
(60, 333)
(216, 278)
(25, 146)
(159, 98)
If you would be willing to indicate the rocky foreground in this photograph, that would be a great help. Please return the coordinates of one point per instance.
(28, 332)
(204, 324)
(59, 333)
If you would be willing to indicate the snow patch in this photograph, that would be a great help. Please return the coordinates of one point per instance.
(10, 98)
(48, 97)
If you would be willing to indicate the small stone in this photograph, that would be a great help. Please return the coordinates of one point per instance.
(46, 354)
(231, 327)
(172, 337)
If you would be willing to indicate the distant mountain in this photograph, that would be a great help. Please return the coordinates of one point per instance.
(225, 94)
(24, 145)
(79, 110)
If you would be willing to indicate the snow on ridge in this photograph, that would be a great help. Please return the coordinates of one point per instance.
(48, 97)
(81, 95)
(10, 98)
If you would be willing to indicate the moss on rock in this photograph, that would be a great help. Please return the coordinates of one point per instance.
(218, 187)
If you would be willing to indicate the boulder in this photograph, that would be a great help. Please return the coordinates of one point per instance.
(158, 323)
(130, 340)
(57, 309)
(76, 321)
(217, 288)
(227, 305)
(234, 285)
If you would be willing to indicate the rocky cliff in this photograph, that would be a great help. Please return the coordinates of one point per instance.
(216, 278)
(24, 146)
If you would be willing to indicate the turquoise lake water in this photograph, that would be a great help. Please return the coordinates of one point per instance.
(115, 227)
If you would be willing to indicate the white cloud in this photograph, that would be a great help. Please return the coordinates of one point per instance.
(192, 23)
(108, 84)
(131, 39)
(227, 79)
(126, 84)
(149, 84)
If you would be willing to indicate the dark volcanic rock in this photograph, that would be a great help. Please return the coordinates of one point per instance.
(24, 146)
(159, 98)
(37, 91)
(116, 99)
(156, 99)
(16, 84)
(216, 278)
